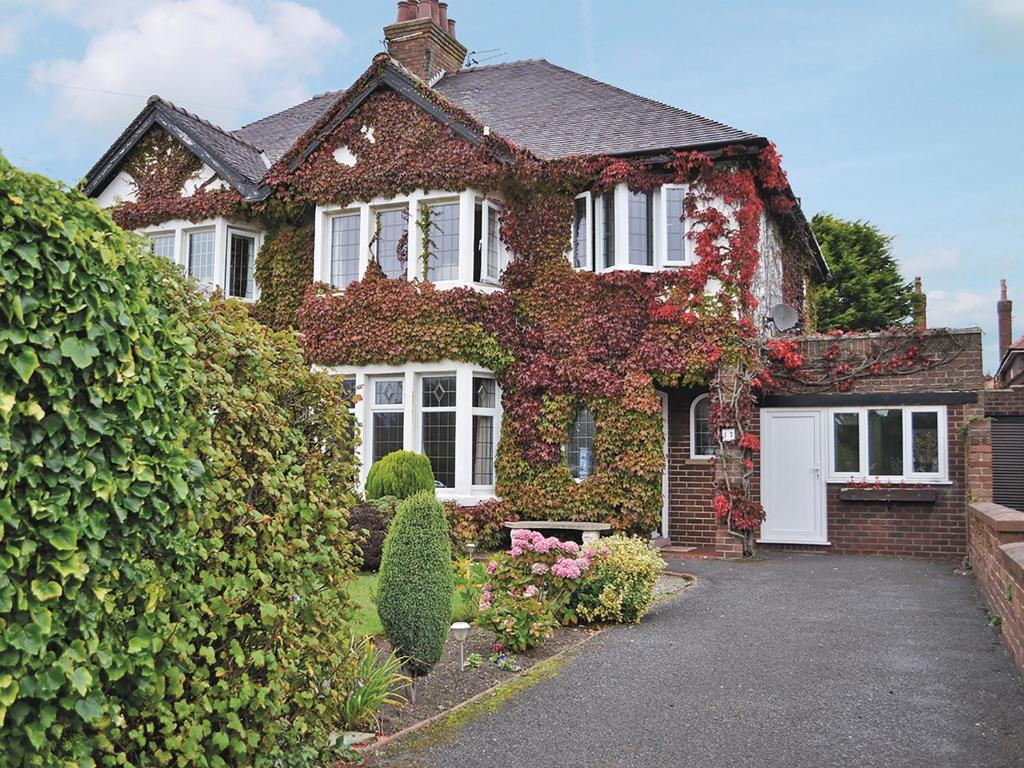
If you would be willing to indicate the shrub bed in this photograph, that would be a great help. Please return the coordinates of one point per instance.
(482, 524)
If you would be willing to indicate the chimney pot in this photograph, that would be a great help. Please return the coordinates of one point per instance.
(451, 28)
(424, 9)
(406, 10)
(920, 305)
(1004, 312)
(442, 16)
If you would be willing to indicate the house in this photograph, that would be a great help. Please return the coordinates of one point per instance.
(1004, 410)
(584, 302)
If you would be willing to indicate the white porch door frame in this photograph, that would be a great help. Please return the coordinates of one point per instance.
(664, 470)
(793, 471)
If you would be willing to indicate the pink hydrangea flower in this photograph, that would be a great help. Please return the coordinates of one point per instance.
(539, 569)
(515, 551)
(531, 591)
(492, 566)
(569, 546)
(566, 568)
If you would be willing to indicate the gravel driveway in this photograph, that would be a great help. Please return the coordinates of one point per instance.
(791, 661)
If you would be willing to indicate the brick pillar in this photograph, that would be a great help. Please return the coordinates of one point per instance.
(979, 460)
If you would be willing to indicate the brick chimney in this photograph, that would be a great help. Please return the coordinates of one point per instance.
(423, 39)
(1004, 311)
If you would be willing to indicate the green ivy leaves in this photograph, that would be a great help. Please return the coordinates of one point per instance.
(82, 353)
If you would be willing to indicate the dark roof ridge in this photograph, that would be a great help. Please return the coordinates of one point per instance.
(500, 64)
(203, 120)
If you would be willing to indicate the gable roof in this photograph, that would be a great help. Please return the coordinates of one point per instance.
(556, 113)
(237, 162)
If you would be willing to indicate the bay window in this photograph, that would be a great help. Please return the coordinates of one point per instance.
(219, 253)
(904, 443)
(449, 411)
(581, 248)
(673, 197)
(604, 229)
(449, 238)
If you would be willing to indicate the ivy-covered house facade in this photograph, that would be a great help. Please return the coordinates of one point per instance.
(578, 301)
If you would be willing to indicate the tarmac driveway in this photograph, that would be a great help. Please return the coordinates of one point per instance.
(791, 661)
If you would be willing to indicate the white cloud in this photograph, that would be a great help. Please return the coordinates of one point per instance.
(1000, 11)
(215, 57)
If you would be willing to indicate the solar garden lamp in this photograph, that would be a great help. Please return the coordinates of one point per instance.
(460, 630)
(470, 549)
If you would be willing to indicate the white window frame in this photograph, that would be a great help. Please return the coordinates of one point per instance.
(422, 410)
(411, 374)
(372, 244)
(153, 235)
(486, 207)
(220, 226)
(693, 427)
(414, 202)
(908, 476)
(374, 407)
(328, 276)
(661, 226)
(187, 245)
(254, 236)
(588, 230)
(597, 246)
(495, 414)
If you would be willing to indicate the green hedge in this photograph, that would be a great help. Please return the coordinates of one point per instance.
(174, 483)
(94, 423)
(400, 474)
(416, 582)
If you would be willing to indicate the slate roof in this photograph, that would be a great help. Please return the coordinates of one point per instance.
(556, 113)
(275, 134)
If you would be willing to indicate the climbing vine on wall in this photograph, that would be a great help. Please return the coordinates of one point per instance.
(557, 339)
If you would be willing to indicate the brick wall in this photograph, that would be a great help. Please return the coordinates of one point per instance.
(1004, 402)
(691, 518)
(997, 556)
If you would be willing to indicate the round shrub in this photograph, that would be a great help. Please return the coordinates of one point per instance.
(369, 522)
(94, 428)
(416, 582)
(400, 474)
(619, 586)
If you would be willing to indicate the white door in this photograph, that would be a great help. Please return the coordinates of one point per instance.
(792, 486)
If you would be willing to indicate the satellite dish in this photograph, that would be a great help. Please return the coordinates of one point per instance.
(785, 317)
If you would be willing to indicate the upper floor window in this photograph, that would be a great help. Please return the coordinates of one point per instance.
(621, 228)
(392, 241)
(702, 444)
(443, 244)
(641, 228)
(443, 237)
(241, 282)
(903, 443)
(580, 450)
(344, 249)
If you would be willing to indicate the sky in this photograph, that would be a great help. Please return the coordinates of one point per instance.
(905, 114)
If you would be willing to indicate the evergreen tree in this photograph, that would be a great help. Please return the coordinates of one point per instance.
(865, 290)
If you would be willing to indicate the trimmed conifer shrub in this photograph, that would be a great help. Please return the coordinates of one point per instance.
(400, 474)
(416, 582)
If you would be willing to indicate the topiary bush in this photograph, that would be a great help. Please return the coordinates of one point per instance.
(369, 522)
(416, 582)
(400, 474)
(619, 586)
(95, 424)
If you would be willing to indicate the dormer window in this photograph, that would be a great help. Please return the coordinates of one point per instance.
(241, 282)
(622, 228)
(493, 254)
(200, 256)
